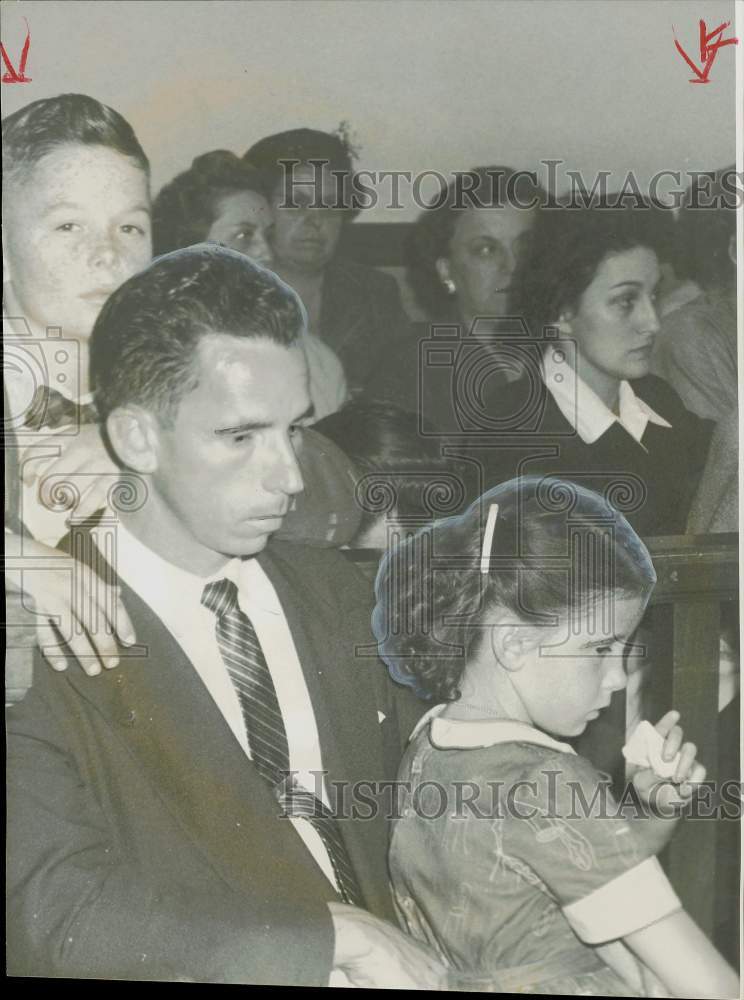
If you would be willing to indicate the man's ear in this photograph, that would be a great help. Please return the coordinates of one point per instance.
(134, 436)
(514, 644)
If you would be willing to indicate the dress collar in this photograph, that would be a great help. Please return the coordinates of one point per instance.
(583, 408)
(471, 734)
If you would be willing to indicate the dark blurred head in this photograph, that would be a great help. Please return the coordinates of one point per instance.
(307, 169)
(707, 235)
(403, 476)
(464, 247)
(219, 198)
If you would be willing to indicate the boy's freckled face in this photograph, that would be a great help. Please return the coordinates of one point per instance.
(74, 229)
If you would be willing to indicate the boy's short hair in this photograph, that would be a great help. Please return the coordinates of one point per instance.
(37, 129)
(145, 339)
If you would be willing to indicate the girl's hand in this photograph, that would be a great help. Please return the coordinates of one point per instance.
(667, 795)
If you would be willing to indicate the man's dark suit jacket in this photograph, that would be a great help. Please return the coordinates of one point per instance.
(361, 318)
(142, 844)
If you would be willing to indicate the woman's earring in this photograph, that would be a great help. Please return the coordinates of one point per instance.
(450, 286)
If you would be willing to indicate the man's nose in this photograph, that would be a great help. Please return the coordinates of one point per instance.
(284, 475)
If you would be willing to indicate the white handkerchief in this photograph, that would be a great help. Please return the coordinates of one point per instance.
(644, 749)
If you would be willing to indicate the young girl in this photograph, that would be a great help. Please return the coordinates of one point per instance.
(509, 854)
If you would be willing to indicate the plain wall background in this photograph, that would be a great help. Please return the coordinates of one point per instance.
(425, 84)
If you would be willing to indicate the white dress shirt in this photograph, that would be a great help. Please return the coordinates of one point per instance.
(583, 408)
(174, 595)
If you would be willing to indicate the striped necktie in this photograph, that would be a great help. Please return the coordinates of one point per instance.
(267, 737)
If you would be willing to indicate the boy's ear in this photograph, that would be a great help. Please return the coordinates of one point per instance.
(513, 645)
(134, 436)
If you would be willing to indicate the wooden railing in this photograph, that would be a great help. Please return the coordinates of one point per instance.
(698, 587)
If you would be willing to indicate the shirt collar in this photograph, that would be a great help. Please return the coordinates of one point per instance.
(165, 588)
(173, 591)
(583, 408)
(472, 734)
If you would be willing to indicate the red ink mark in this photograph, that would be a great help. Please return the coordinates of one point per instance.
(710, 43)
(12, 75)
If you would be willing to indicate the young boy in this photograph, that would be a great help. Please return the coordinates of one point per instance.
(76, 224)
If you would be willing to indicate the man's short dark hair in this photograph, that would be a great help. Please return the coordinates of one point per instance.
(144, 341)
(39, 128)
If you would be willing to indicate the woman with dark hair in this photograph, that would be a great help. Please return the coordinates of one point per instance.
(463, 249)
(356, 310)
(587, 407)
(462, 254)
(223, 199)
(509, 854)
(219, 198)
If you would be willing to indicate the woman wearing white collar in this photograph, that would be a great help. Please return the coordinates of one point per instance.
(509, 853)
(587, 407)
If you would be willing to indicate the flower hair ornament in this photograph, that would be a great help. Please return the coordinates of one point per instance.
(493, 513)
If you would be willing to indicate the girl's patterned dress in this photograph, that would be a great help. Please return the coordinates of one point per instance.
(511, 858)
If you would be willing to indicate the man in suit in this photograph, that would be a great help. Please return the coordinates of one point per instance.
(213, 810)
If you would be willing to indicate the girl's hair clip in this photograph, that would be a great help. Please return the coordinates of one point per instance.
(493, 513)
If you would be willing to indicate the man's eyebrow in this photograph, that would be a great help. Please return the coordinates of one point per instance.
(634, 284)
(251, 425)
(262, 425)
(607, 640)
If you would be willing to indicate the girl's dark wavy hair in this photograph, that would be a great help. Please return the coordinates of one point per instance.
(561, 254)
(186, 207)
(557, 547)
(431, 234)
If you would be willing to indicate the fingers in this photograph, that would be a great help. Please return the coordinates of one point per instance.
(672, 743)
(123, 623)
(93, 498)
(666, 723)
(109, 612)
(90, 626)
(33, 468)
(77, 650)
